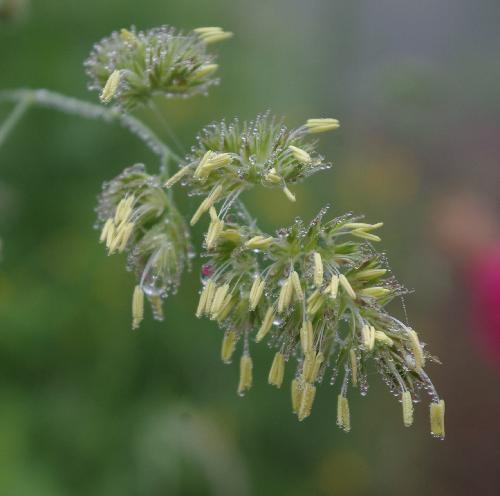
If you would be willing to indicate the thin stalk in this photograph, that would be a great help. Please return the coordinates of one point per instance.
(75, 106)
(14, 117)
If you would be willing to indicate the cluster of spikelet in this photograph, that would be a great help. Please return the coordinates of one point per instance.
(131, 67)
(138, 217)
(315, 292)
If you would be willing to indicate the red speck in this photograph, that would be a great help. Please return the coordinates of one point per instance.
(207, 270)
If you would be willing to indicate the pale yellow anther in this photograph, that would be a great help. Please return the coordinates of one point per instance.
(318, 361)
(300, 155)
(343, 414)
(110, 237)
(219, 296)
(259, 243)
(334, 287)
(416, 348)
(375, 292)
(208, 30)
(206, 204)
(306, 401)
(313, 297)
(109, 90)
(272, 176)
(314, 302)
(360, 233)
(211, 289)
(363, 226)
(137, 307)
(177, 176)
(297, 287)
(437, 419)
(246, 367)
(321, 125)
(407, 404)
(366, 275)
(289, 194)
(296, 390)
(213, 214)
(372, 338)
(318, 270)
(212, 34)
(347, 286)
(202, 304)
(214, 230)
(354, 367)
(120, 238)
(277, 371)
(210, 162)
(126, 233)
(383, 338)
(118, 211)
(285, 296)
(308, 366)
(205, 70)
(226, 307)
(266, 325)
(228, 346)
(108, 226)
(124, 209)
(307, 336)
(256, 292)
(368, 337)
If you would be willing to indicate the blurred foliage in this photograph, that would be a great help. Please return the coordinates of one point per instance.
(87, 406)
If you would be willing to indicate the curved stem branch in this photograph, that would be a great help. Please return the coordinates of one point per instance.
(14, 117)
(74, 106)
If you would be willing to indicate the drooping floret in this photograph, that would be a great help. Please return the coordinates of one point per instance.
(138, 218)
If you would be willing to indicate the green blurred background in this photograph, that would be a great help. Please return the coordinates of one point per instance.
(88, 407)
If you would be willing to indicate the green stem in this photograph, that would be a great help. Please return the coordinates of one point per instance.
(14, 117)
(74, 106)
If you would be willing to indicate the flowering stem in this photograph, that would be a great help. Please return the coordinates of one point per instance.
(74, 106)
